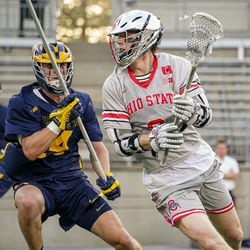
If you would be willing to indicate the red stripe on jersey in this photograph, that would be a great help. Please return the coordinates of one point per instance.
(115, 116)
(144, 84)
(222, 210)
(192, 86)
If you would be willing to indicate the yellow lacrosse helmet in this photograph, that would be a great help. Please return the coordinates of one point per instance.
(62, 54)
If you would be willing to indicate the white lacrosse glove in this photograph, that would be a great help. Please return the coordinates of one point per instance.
(165, 136)
(185, 109)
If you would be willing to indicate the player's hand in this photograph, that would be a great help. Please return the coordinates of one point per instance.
(184, 109)
(111, 188)
(165, 136)
(67, 111)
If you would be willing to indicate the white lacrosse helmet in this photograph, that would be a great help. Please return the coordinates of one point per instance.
(133, 33)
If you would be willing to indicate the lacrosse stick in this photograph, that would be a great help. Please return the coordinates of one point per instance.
(66, 91)
(205, 30)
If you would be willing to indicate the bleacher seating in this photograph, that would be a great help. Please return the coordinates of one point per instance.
(15, 71)
(225, 80)
(228, 91)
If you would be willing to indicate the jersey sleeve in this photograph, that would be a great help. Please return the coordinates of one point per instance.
(21, 119)
(3, 113)
(14, 161)
(90, 121)
(182, 76)
(114, 113)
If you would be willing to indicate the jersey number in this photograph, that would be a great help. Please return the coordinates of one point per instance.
(60, 144)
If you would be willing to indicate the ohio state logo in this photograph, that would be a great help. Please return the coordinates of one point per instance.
(173, 206)
(166, 70)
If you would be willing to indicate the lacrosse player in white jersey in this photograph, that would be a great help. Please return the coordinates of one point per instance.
(141, 98)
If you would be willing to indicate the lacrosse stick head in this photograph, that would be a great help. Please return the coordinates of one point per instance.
(205, 30)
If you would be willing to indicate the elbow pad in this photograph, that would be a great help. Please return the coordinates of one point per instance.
(202, 116)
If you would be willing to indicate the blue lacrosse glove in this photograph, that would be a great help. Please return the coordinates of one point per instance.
(67, 111)
(111, 188)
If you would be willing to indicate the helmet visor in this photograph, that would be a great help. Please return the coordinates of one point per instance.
(46, 74)
(127, 46)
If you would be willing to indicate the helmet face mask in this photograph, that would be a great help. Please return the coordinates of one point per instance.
(43, 69)
(134, 33)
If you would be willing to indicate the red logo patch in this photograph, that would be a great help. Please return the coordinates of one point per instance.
(166, 70)
(173, 206)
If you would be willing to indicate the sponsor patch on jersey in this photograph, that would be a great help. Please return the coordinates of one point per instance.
(168, 73)
(167, 80)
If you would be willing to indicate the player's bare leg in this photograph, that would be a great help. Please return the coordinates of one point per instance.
(30, 204)
(110, 229)
(200, 229)
(228, 225)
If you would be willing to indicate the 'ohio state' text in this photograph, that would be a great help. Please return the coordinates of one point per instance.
(150, 100)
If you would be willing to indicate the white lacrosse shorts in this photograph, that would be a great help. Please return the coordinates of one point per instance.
(205, 193)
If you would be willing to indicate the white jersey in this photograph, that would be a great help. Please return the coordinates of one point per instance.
(137, 106)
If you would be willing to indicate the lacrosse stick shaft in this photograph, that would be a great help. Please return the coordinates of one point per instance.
(205, 30)
(65, 89)
(163, 162)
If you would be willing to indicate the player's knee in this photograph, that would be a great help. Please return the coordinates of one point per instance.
(236, 235)
(212, 243)
(123, 241)
(126, 242)
(29, 208)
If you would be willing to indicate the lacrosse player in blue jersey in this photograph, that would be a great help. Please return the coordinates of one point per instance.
(41, 122)
(5, 182)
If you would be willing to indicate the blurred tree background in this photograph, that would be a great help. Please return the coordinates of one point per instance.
(84, 19)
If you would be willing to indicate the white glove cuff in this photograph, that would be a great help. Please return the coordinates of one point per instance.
(198, 113)
(54, 128)
(152, 140)
(154, 146)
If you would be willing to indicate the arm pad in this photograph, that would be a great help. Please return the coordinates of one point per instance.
(202, 117)
(125, 144)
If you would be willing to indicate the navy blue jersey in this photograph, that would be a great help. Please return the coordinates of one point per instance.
(5, 182)
(28, 112)
(3, 113)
